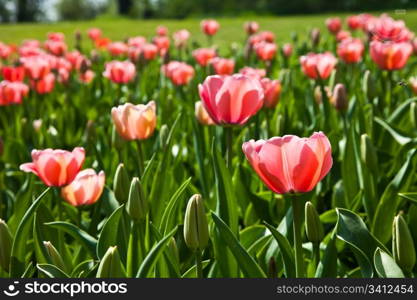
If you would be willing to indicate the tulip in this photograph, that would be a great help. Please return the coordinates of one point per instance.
(44, 85)
(102, 42)
(318, 65)
(334, 25)
(85, 189)
(56, 36)
(267, 36)
(196, 234)
(287, 50)
(135, 122)
(94, 33)
(162, 42)
(272, 91)
(161, 30)
(57, 48)
(290, 164)
(87, 76)
(12, 92)
(120, 71)
(137, 206)
(385, 28)
(55, 167)
(251, 27)
(204, 55)
(314, 228)
(266, 51)
(6, 242)
(53, 256)
(253, 73)
(413, 84)
(343, 35)
(403, 245)
(354, 22)
(5, 50)
(231, 99)
(13, 73)
(368, 153)
(223, 66)
(181, 37)
(149, 51)
(389, 55)
(36, 66)
(315, 37)
(351, 50)
(209, 27)
(201, 114)
(63, 75)
(137, 41)
(117, 48)
(178, 72)
(110, 265)
(339, 97)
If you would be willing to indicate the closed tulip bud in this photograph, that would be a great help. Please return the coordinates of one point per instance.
(339, 97)
(314, 228)
(110, 265)
(121, 184)
(368, 153)
(368, 85)
(195, 224)
(53, 256)
(137, 206)
(172, 245)
(315, 37)
(6, 241)
(403, 245)
(163, 135)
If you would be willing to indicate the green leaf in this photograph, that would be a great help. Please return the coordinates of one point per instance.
(83, 268)
(109, 233)
(51, 271)
(246, 262)
(286, 251)
(89, 242)
(386, 266)
(19, 249)
(409, 196)
(150, 260)
(327, 267)
(192, 272)
(401, 139)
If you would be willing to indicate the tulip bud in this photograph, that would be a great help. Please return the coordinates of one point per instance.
(78, 36)
(84, 65)
(413, 114)
(294, 36)
(121, 184)
(172, 245)
(339, 97)
(6, 241)
(403, 245)
(116, 140)
(368, 153)
(110, 265)
(137, 206)
(95, 56)
(368, 85)
(314, 228)
(196, 234)
(163, 135)
(53, 256)
(315, 37)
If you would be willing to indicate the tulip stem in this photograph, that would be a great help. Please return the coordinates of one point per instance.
(297, 209)
(140, 159)
(198, 263)
(316, 254)
(229, 146)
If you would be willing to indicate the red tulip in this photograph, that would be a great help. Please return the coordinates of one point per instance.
(251, 27)
(57, 48)
(253, 73)
(201, 114)
(204, 55)
(272, 91)
(94, 33)
(350, 50)
(354, 22)
(149, 51)
(36, 66)
(267, 36)
(287, 49)
(56, 36)
(120, 71)
(390, 55)
(163, 43)
(223, 66)
(63, 75)
(231, 99)
(102, 43)
(343, 35)
(265, 51)
(181, 37)
(12, 92)
(385, 28)
(209, 27)
(414, 43)
(75, 58)
(290, 164)
(137, 41)
(413, 84)
(178, 72)
(44, 85)
(334, 25)
(85, 189)
(87, 76)
(117, 48)
(161, 30)
(55, 167)
(13, 73)
(5, 50)
(135, 122)
(316, 65)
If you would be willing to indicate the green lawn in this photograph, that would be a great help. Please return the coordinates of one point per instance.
(117, 28)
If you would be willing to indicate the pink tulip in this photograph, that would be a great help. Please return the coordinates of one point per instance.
(209, 27)
(413, 85)
(57, 48)
(231, 99)
(223, 66)
(390, 55)
(251, 27)
(163, 43)
(266, 51)
(204, 55)
(75, 58)
(117, 48)
(253, 73)
(36, 66)
(290, 164)
(63, 75)
(137, 41)
(12, 92)
(85, 189)
(44, 85)
(181, 37)
(56, 36)
(13, 73)
(385, 28)
(178, 72)
(287, 50)
(5, 50)
(350, 50)
(94, 33)
(87, 76)
(267, 36)
(161, 30)
(316, 65)
(55, 167)
(343, 35)
(354, 22)
(201, 114)
(149, 51)
(135, 122)
(272, 91)
(334, 25)
(414, 43)
(120, 71)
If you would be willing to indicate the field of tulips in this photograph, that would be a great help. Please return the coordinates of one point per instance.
(161, 156)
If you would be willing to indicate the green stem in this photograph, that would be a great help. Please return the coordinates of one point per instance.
(297, 209)
(133, 251)
(140, 159)
(229, 146)
(199, 264)
(316, 254)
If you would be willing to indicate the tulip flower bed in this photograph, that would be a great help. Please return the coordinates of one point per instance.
(163, 157)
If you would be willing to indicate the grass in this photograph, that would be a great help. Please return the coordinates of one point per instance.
(120, 28)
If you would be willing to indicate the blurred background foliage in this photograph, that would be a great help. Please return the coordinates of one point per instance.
(55, 10)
